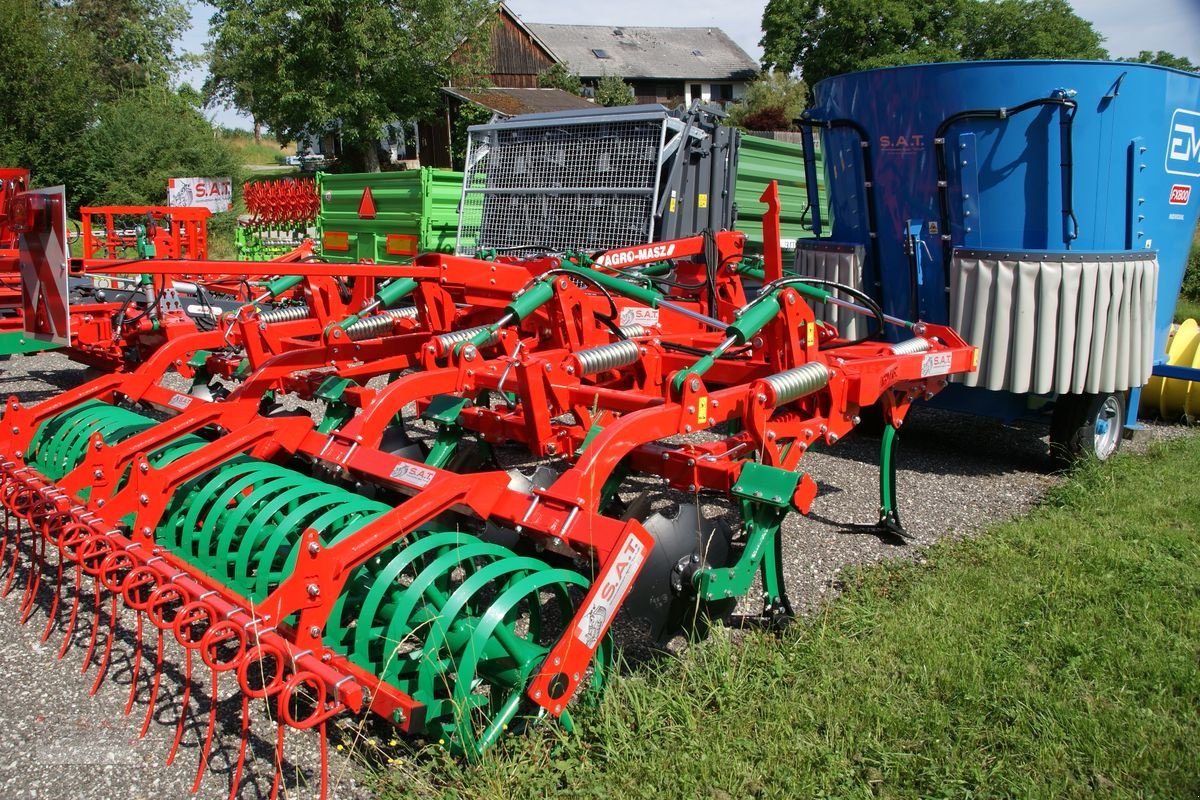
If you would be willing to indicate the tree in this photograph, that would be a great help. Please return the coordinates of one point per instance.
(1006, 29)
(46, 80)
(311, 67)
(830, 37)
(1164, 59)
(557, 76)
(132, 42)
(770, 104)
(141, 140)
(612, 91)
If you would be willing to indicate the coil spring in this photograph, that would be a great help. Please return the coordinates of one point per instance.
(607, 356)
(798, 382)
(910, 346)
(379, 324)
(283, 314)
(633, 331)
(447, 340)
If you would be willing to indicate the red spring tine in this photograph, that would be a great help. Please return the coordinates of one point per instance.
(185, 701)
(92, 552)
(242, 744)
(69, 545)
(208, 736)
(189, 627)
(266, 683)
(37, 561)
(317, 718)
(162, 608)
(140, 583)
(21, 501)
(215, 653)
(278, 762)
(114, 570)
(53, 531)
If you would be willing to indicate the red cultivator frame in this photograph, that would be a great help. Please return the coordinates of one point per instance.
(365, 550)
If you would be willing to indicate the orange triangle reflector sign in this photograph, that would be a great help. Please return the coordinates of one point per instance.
(366, 206)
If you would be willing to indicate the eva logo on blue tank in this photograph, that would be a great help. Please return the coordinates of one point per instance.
(1183, 144)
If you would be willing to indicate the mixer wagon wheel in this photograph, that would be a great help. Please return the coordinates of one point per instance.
(1087, 425)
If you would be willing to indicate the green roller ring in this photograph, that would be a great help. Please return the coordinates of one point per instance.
(423, 584)
(496, 615)
(351, 515)
(457, 603)
(209, 499)
(385, 584)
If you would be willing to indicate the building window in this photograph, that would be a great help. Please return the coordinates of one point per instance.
(600, 53)
(723, 92)
(695, 92)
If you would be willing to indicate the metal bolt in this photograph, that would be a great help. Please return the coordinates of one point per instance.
(313, 548)
(762, 398)
(857, 420)
(313, 590)
(144, 499)
(551, 448)
(143, 467)
(694, 385)
(97, 474)
(313, 630)
(687, 428)
(537, 695)
(691, 487)
(570, 370)
(666, 456)
(691, 462)
(833, 437)
(771, 435)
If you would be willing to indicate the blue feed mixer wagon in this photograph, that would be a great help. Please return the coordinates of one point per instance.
(1045, 209)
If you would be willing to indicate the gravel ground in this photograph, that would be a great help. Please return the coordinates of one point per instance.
(956, 474)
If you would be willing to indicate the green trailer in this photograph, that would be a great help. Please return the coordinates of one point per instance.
(387, 217)
(760, 161)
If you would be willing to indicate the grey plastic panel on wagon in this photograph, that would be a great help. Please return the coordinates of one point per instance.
(1056, 322)
(839, 263)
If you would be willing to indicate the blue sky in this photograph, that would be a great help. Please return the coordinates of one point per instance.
(1128, 27)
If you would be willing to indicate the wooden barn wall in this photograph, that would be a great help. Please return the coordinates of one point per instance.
(516, 58)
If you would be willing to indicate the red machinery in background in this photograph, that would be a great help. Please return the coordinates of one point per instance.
(126, 232)
(12, 183)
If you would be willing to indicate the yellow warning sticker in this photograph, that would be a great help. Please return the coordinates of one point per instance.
(810, 333)
(702, 409)
(672, 203)
(702, 202)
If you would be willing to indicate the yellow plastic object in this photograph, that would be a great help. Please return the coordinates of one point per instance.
(1174, 398)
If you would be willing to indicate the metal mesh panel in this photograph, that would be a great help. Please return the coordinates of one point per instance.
(533, 190)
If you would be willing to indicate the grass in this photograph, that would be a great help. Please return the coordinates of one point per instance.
(267, 153)
(1055, 656)
(1187, 308)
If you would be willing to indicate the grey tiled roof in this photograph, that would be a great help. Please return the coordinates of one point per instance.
(635, 52)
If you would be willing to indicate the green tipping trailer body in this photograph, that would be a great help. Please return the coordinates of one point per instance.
(387, 217)
(760, 161)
